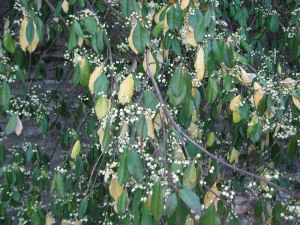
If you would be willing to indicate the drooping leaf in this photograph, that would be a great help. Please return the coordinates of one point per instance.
(101, 107)
(11, 125)
(139, 37)
(211, 90)
(90, 25)
(157, 202)
(122, 203)
(210, 217)
(83, 206)
(9, 43)
(123, 172)
(135, 166)
(171, 205)
(190, 199)
(189, 176)
(4, 94)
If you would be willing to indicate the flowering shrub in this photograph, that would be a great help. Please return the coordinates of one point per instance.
(179, 106)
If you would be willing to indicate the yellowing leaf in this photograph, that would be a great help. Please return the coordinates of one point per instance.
(152, 64)
(77, 222)
(178, 153)
(79, 41)
(97, 72)
(65, 6)
(190, 36)
(211, 139)
(150, 126)
(113, 165)
(236, 116)
(34, 42)
(184, 4)
(296, 102)
(210, 197)
(193, 129)
(258, 95)
(115, 190)
(148, 202)
(101, 107)
(194, 116)
(244, 76)
(235, 103)
(156, 17)
(234, 156)
(200, 64)
(49, 219)
(22, 36)
(106, 175)
(19, 127)
(126, 90)
(158, 120)
(125, 129)
(253, 121)
(76, 149)
(100, 133)
(130, 40)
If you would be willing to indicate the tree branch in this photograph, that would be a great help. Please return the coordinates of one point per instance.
(59, 16)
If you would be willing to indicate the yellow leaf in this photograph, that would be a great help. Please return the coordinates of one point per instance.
(210, 197)
(194, 116)
(22, 36)
(156, 17)
(106, 175)
(190, 36)
(211, 139)
(253, 121)
(63, 222)
(94, 76)
(200, 64)
(236, 116)
(271, 219)
(126, 90)
(130, 40)
(148, 202)
(115, 190)
(244, 76)
(235, 103)
(79, 41)
(100, 133)
(76, 149)
(34, 42)
(101, 107)
(171, 1)
(184, 4)
(150, 126)
(158, 120)
(258, 95)
(113, 165)
(193, 129)
(49, 219)
(77, 222)
(178, 153)
(65, 6)
(234, 156)
(194, 87)
(125, 129)
(296, 102)
(152, 64)
(19, 127)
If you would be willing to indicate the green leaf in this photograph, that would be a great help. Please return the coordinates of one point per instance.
(210, 216)
(58, 9)
(174, 100)
(39, 28)
(107, 135)
(262, 105)
(172, 18)
(245, 46)
(72, 42)
(135, 7)
(258, 209)
(190, 199)
(9, 43)
(195, 18)
(5, 95)
(78, 29)
(122, 203)
(2, 154)
(176, 47)
(177, 82)
(158, 29)
(273, 23)
(256, 132)
(84, 72)
(278, 209)
(30, 31)
(237, 186)
(228, 56)
(135, 166)
(20, 74)
(188, 106)
(179, 217)
(207, 18)
(292, 147)
(157, 201)
(90, 25)
(60, 184)
(45, 126)
(146, 217)
(218, 50)
(150, 100)
(76, 75)
(189, 176)
(140, 37)
(123, 172)
(211, 90)
(100, 43)
(227, 82)
(244, 111)
(83, 206)
(126, 8)
(35, 218)
(200, 31)
(235, 221)
(11, 125)
(171, 205)
(101, 84)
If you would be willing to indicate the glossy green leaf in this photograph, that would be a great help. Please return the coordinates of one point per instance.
(218, 50)
(189, 176)
(245, 46)
(292, 147)
(58, 9)
(101, 84)
(210, 216)
(122, 203)
(90, 25)
(177, 82)
(179, 217)
(107, 135)
(11, 125)
(30, 31)
(83, 206)
(258, 208)
(39, 28)
(73, 38)
(228, 56)
(200, 31)
(60, 184)
(146, 217)
(158, 29)
(211, 90)
(4, 94)
(150, 100)
(190, 199)
(262, 105)
(100, 43)
(171, 205)
(9, 43)
(256, 132)
(278, 209)
(123, 172)
(76, 75)
(172, 18)
(2, 154)
(135, 166)
(188, 106)
(126, 8)
(139, 38)
(195, 18)
(157, 201)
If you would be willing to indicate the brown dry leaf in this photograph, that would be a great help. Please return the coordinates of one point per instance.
(113, 165)
(126, 90)
(22, 36)
(235, 103)
(200, 64)
(152, 64)
(236, 116)
(77, 222)
(65, 6)
(184, 4)
(148, 202)
(258, 95)
(158, 120)
(296, 102)
(130, 40)
(150, 126)
(115, 190)
(19, 127)
(94, 76)
(209, 196)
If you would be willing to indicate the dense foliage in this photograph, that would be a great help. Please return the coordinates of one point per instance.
(178, 107)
